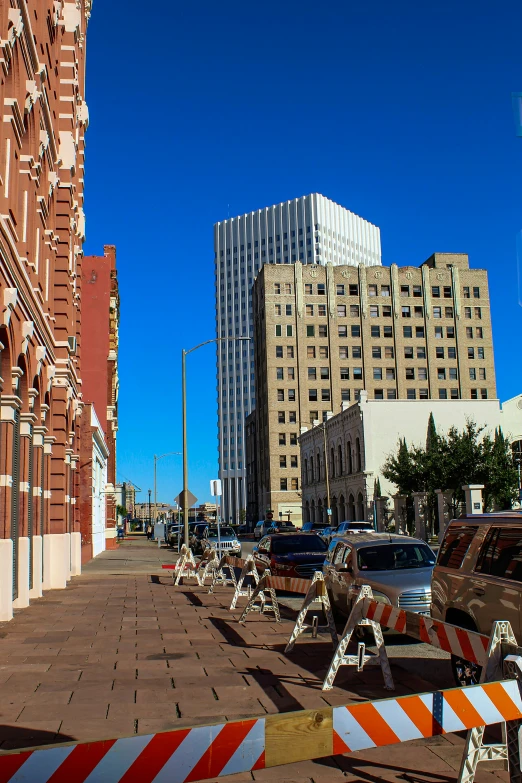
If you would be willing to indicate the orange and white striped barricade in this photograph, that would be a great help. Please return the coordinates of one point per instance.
(317, 593)
(340, 658)
(248, 570)
(209, 752)
(263, 599)
(220, 578)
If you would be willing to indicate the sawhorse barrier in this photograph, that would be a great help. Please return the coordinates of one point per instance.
(193, 754)
(187, 567)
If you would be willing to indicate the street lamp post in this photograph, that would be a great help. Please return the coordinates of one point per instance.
(150, 519)
(184, 353)
(156, 460)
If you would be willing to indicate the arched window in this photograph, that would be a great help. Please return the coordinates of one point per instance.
(340, 459)
(305, 473)
(358, 454)
(351, 508)
(312, 470)
(332, 462)
(349, 456)
(360, 507)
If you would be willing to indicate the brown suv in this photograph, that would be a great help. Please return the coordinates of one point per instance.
(478, 578)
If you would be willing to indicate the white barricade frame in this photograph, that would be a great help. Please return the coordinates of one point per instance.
(249, 570)
(317, 593)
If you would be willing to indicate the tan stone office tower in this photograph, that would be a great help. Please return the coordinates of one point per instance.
(325, 333)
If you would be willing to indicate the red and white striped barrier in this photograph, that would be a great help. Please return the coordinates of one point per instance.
(469, 645)
(203, 752)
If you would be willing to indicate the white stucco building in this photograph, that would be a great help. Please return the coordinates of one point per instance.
(359, 439)
(311, 229)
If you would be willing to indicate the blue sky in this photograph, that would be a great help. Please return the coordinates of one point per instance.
(198, 111)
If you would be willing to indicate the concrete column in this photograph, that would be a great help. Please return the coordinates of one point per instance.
(419, 505)
(37, 554)
(381, 506)
(399, 509)
(444, 511)
(22, 599)
(473, 498)
(54, 562)
(76, 554)
(67, 554)
(6, 579)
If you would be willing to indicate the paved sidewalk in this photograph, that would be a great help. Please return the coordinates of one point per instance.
(117, 654)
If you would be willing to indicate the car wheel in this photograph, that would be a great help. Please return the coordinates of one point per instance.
(464, 672)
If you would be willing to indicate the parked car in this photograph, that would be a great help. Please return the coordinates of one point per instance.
(174, 531)
(196, 533)
(282, 527)
(226, 543)
(314, 527)
(346, 528)
(398, 569)
(327, 533)
(262, 527)
(478, 579)
(294, 554)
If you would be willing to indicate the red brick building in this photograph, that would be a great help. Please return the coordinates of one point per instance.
(100, 321)
(42, 89)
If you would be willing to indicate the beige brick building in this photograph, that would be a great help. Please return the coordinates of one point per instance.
(325, 333)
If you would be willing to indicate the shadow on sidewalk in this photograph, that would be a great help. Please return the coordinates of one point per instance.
(354, 766)
(20, 738)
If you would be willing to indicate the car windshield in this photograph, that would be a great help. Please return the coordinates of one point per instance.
(393, 557)
(357, 526)
(297, 544)
(226, 532)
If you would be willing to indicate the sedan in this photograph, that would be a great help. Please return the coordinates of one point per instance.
(294, 554)
(281, 527)
(398, 569)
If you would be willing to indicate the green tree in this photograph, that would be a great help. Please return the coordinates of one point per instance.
(377, 488)
(242, 515)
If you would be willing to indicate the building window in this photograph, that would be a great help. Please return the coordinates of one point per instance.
(293, 461)
(450, 332)
(288, 288)
(279, 351)
(407, 331)
(408, 352)
(478, 312)
(423, 394)
(357, 373)
(480, 332)
(321, 311)
(439, 353)
(385, 290)
(418, 312)
(372, 290)
(309, 309)
(437, 312)
(439, 333)
(354, 311)
(482, 373)
(484, 394)
(377, 373)
(452, 353)
(441, 373)
(314, 415)
(281, 417)
(294, 484)
(410, 373)
(406, 312)
(345, 395)
(353, 289)
(386, 311)
(471, 353)
(476, 292)
(282, 461)
(465, 292)
(339, 289)
(375, 331)
(277, 309)
(390, 373)
(378, 394)
(453, 373)
(292, 417)
(422, 373)
(293, 439)
(325, 373)
(277, 288)
(419, 332)
(342, 331)
(376, 352)
(435, 291)
(356, 331)
(391, 394)
(387, 331)
(374, 311)
(291, 373)
(312, 395)
(341, 311)
(389, 352)
(448, 312)
(474, 394)
(405, 290)
(411, 394)
(345, 374)
(310, 330)
(312, 374)
(289, 330)
(323, 331)
(472, 374)
(278, 330)
(308, 289)
(310, 352)
(454, 394)
(282, 439)
(321, 289)
(289, 351)
(279, 373)
(421, 352)
(467, 312)
(291, 395)
(448, 293)
(417, 290)
(443, 394)
(283, 484)
(325, 395)
(343, 352)
(288, 309)
(480, 353)
(323, 352)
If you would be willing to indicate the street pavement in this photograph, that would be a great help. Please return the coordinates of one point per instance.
(122, 651)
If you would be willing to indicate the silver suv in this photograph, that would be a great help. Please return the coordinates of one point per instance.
(397, 568)
(478, 578)
(226, 544)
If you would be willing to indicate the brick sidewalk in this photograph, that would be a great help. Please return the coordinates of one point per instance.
(114, 655)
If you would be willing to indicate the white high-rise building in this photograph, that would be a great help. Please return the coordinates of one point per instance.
(311, 229)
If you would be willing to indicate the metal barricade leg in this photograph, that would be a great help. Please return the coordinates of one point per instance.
(316, 592)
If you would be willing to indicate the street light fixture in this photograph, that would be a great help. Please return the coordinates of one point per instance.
(156, 459)
(184, 501)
